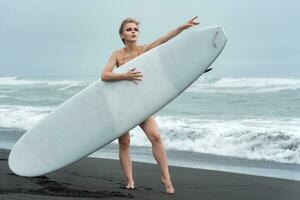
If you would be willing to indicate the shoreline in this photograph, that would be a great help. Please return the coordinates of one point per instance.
(94, 178)
(263, 168)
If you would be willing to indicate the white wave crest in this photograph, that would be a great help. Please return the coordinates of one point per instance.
(22, 117)
(3, 96)
(244, 85)
(60, 84)
(15, 81)
(274, 140)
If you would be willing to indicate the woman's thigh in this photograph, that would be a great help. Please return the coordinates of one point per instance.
(150, 128)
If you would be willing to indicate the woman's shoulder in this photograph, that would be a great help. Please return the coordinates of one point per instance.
(118, 51)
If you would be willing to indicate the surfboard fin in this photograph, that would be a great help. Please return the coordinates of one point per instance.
(207, 70)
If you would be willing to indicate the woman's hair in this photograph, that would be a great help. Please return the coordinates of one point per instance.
(125, 21)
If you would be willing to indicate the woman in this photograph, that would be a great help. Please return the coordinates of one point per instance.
(129, 32)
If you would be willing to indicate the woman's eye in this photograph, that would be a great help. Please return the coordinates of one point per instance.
(135, 29)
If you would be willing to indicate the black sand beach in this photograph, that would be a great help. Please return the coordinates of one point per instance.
(94, 178)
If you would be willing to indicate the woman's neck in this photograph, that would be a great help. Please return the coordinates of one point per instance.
(131, 47)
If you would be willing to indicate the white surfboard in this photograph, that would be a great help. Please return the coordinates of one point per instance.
(103, 111)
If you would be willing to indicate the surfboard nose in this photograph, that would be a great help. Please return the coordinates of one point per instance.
(220, 38)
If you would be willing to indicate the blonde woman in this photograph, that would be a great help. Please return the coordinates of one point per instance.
(129, 33)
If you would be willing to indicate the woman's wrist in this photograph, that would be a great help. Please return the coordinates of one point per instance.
(181, 28)
(124, 76)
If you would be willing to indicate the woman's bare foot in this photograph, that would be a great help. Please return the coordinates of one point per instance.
(130, 185)
(168, 185)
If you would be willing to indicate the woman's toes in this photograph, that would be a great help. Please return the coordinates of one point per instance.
(168, 185)
(130, 186)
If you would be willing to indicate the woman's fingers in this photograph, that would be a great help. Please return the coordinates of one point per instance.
(194, 22)
(191, 23)
(194, 18)
(134, 82)
(136, 79)
(135, 76)
(132, 71)
(137, 73)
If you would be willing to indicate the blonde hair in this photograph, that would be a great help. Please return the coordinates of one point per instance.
(125, 21)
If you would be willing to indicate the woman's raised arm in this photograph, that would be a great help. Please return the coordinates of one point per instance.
(171, 34)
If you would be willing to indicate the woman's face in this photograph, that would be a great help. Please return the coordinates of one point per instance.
(130, 32)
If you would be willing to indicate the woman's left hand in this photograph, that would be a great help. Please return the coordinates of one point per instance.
(190, 23)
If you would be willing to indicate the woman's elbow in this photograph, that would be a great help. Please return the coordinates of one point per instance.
(104, 77)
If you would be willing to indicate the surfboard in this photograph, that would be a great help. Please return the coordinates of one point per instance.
(103, 111)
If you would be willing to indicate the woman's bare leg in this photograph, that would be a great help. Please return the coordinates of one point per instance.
(124, 154)
(150, 128)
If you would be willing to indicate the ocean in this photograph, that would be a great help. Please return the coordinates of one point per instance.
(239, 118)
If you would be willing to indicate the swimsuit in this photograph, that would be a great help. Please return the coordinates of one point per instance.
(125, 52)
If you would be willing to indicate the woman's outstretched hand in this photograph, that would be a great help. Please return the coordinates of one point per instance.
(190, 23)
(133, 75)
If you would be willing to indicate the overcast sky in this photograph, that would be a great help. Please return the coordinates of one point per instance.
(76, 37)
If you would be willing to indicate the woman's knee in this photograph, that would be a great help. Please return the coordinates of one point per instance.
(124, 142)
(155, 138)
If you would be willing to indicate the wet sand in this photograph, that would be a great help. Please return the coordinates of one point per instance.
(94, 178)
